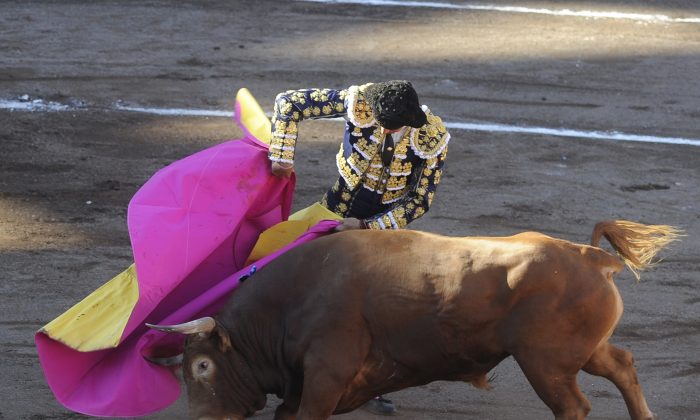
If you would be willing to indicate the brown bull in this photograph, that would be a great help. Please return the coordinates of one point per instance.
(334, 322)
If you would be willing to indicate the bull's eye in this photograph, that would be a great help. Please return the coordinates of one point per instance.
(202, 367)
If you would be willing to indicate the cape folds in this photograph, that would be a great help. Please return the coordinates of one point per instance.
(192, 228)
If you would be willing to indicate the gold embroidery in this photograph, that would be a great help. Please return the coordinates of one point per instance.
(387, 221)
(374, 174)
(392, 196)
(397, 167)
(400, 217)
(317, 95)
(399, 171)
(298, 97)
(362, 111)
(372, 224)
(395, 182)
(359, 111)
(285, 107)
(293, 106)
(283, 140)
(402, 147)
(358, 164)
(367, 149)
(430, 140)
(345, 171)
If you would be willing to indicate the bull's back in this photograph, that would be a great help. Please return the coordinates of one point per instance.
(429, 298)
(396, 267)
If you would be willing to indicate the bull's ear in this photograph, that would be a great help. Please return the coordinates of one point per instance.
(224, 338)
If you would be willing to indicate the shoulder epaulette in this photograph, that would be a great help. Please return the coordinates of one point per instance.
(430, 140)
(359, 111)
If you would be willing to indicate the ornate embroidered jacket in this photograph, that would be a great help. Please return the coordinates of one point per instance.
(404, 188)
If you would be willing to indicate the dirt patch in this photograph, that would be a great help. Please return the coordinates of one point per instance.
(66, 177)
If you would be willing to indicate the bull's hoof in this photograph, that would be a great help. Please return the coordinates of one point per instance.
(380, 406)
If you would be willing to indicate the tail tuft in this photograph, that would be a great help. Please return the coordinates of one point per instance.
(637, 244)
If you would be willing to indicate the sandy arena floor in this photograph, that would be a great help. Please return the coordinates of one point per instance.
(66, 177)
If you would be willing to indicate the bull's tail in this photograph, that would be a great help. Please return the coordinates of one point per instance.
(635, 243)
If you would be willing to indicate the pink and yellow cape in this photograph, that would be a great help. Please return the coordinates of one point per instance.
(195, 226)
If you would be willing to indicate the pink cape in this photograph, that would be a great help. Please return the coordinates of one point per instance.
(192, 226)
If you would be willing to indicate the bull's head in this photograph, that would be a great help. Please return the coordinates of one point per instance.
(219, 383)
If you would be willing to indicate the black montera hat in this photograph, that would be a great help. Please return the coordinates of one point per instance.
(395, 104)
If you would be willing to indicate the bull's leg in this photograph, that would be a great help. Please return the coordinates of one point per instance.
(285, 411)
(329, 367)
(288, 409)
(324, 384)
(617, 365)
(557, 388)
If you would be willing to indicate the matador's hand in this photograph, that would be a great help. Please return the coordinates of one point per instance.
(349, 223)
(281, 169)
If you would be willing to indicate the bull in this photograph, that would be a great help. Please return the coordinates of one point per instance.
(336, 321)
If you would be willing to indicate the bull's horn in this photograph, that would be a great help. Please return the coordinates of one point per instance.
(166, 361)
(202, 325)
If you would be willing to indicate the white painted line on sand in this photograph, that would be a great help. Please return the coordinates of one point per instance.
(566, 132)
(639, 17)
(32, 105)
(176, 112)
(38, 105)
(488, 127)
